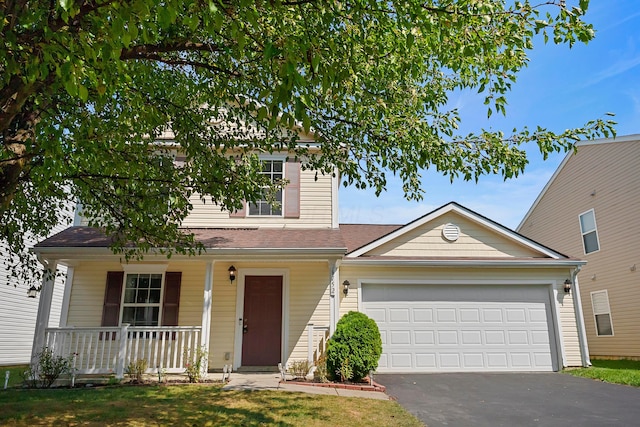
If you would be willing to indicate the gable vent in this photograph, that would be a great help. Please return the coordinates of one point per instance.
(451, 232)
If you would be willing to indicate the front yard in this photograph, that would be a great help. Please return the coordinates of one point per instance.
(612, 371)
(201, 405)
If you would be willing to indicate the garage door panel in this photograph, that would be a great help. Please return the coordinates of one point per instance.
(473, 360)
(402, 337)
(462, 335)
(426, 361)
(446, 315)
(423, 315)
(399, 315)
(471, 337)
(469, 315)
(424, 337)
(518, 338)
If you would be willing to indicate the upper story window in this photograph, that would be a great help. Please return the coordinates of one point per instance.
(141, 302)
(589, 232)
(274, 169)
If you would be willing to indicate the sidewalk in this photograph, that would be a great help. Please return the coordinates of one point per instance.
(271, 381)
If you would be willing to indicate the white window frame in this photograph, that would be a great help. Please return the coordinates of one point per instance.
(283, 160)
(598, 313)
(583, 232)
(143, 270)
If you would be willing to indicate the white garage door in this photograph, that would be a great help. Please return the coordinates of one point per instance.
(428, 328)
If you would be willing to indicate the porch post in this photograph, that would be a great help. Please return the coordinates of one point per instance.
(310, 344)
(122, 351)
(44, 309)
(206, 312)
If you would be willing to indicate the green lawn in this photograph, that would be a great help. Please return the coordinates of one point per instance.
(193, 405)
(15, 374)
(612, 371)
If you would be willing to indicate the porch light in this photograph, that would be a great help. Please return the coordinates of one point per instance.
(345, 289)
(232, 274)
(567, 286)
(32, 292)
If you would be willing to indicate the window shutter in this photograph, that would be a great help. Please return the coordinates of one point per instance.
(292, 190)
(171, 303)
(240, 213)
(112, 297)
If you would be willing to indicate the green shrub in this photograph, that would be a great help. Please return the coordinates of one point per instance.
(354, 348)
(135, 370)
(47, 369)
(194, 363)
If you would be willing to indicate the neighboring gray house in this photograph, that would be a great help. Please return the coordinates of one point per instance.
(18, 319)
(590, 209)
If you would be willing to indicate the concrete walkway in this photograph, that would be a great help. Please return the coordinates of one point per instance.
(271, 381)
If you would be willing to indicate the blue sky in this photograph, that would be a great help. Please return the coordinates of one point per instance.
(561, 88)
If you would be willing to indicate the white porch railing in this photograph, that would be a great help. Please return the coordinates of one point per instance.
(317, 337)
(109, 350)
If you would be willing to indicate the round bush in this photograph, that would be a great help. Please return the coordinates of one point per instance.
(355, 347)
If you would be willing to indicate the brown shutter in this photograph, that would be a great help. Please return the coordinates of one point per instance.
(112, 297)
(292, 190)
(171, 301)
(240, 213)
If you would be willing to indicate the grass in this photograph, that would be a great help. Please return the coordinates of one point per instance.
(612, 371)
(193, 405)
(15, 374)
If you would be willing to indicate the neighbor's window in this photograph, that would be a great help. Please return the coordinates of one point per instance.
(141, 305)
(589, 232)
(602, 313)
(274, 170)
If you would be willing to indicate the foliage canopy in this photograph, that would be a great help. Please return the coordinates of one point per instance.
(85, 85)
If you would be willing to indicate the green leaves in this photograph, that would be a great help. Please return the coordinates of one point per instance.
(86, 87)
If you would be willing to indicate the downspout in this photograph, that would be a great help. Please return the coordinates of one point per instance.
(577, 303)
(334, 298)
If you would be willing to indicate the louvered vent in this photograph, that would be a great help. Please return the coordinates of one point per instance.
(451, 232)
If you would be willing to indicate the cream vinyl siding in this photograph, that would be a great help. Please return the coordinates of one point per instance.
(315, 209)
(308, 303)
(475, 241)
(90, 278)
(564, 302)
(604, 177)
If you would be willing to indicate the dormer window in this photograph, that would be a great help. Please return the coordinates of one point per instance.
(274, 169)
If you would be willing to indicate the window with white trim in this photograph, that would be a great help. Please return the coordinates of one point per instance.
(589, 232)
(274, 169)
(142, 299)
(602, 313)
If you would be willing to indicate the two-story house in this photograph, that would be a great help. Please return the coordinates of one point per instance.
(589, 209)
(450, 291)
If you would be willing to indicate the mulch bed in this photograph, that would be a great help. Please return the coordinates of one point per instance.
(364, 386)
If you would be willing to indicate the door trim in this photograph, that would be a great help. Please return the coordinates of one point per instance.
(242, 274)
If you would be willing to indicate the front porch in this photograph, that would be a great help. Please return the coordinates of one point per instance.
(110, 350)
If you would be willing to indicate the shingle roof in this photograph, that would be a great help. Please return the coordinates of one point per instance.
(357, 235)
(219, 238)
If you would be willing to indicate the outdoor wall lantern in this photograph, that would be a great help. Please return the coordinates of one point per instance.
(232, 274)
(567, 286)
(345, 289)
(32, 292)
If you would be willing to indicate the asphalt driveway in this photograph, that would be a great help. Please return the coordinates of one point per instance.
(531, 399)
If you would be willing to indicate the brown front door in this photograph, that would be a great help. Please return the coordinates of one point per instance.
(262, 321)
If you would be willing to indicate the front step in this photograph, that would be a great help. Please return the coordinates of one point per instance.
(257, 369)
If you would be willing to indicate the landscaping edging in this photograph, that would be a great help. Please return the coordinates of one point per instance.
(363, 387)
